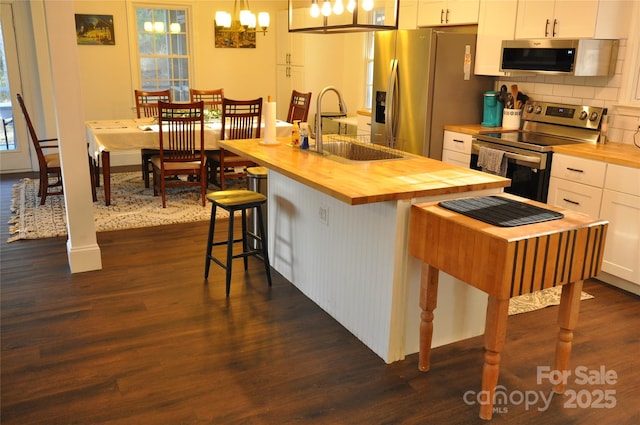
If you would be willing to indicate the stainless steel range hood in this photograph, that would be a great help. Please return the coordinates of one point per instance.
(581, 58)
(355, 16)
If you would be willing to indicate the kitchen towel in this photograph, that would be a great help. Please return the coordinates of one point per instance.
(269, 135)
(492, 161)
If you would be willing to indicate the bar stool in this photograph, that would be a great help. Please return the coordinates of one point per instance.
(232, 201)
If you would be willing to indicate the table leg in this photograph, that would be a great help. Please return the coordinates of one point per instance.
(428, 303)
(106, 174)
(567, 320)
(494, 336)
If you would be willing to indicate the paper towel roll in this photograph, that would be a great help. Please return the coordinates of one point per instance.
(269, 135)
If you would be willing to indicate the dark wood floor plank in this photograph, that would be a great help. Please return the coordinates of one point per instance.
(147, 341)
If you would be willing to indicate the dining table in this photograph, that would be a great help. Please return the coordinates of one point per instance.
(106, 136)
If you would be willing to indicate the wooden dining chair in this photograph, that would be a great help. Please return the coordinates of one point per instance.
(47, 151)
(212, 98)
(147, 106)
(241, 119)
(181, 149)
(299, 106)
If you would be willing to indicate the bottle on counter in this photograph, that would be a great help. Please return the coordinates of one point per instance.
(304, 135)
(295, 134)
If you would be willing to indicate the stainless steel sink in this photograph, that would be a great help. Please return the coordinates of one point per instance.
(345, 150)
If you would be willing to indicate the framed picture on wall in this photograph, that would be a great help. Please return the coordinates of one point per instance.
(234, 39)
(95, 29)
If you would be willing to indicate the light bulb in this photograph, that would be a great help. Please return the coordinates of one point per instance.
(326, 8)
(245, 17)
(338, 7)
(148, 26)
(367, 5)
(263, 19)
(174, 27)
(351, 6)
(315, 10)
(158, 26)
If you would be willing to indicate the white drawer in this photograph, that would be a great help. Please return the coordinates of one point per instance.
(575, 196)
(580, 170)
(457, 158)
(623, 179)
(458, 142)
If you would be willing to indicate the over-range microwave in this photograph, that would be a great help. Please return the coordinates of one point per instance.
(583, 58)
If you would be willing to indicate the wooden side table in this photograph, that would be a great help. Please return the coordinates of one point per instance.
(505, 262)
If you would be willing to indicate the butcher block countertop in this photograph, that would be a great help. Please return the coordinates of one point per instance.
(474, 129)
(614, 153)
(358, 183)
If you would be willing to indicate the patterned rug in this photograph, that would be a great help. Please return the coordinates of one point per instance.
(132, 205)
(539, 299)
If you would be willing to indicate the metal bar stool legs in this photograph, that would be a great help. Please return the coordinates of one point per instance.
(232, 201)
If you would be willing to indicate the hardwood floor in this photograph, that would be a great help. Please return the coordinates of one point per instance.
(146, 341)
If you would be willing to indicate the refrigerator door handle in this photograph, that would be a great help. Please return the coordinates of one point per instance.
(391, 116)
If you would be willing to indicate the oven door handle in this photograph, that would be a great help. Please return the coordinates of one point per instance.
(515, 156)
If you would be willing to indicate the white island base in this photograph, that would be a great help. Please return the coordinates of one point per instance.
(353, 261)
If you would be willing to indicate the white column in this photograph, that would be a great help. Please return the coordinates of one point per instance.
(82, 247)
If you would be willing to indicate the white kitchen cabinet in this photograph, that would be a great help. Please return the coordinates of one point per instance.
(573, 18)
(579, 170)
(456, 148)
(289, 45)
(408, 15)
(364, 125)
(288, 78)
(449, 12)
(496, 22)
(610, 192)
(290, 59)
(621, 207)
(575, 196)
(576, 184)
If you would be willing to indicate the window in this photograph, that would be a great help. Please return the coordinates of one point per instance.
(163, 50)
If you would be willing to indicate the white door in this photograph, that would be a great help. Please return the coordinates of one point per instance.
(14, 149)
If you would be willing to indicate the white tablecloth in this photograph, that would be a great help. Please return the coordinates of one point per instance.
(119, 135)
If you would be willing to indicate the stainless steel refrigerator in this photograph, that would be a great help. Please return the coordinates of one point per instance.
(422, 80)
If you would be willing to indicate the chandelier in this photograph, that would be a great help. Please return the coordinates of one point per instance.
(338, 7)
(242, 19)
(336, 16)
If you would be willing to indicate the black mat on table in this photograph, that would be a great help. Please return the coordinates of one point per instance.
(500, 211)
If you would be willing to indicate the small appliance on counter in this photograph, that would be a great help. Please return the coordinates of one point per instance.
(492, 113)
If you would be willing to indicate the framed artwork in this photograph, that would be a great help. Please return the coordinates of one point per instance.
(95, 29)
(234, 39)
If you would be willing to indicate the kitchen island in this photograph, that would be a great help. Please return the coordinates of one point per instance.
(339, 232)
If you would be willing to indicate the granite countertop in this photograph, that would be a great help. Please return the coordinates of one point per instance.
(365, 182)
(613, 153)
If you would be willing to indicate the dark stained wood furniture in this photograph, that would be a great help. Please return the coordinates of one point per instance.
(232, 201)
(147, 106)
(212, 98)
(47, 151)
(181, 149)
(241, 119)
(299, 106)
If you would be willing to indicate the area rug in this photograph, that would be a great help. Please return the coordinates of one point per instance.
(539, 299)
(132, 206)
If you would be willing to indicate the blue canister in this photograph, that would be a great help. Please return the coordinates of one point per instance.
(304, 142)
(492, 113)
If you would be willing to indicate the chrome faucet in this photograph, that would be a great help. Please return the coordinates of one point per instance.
(343, 109)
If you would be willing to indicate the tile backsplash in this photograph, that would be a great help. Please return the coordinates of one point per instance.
(593, 91)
